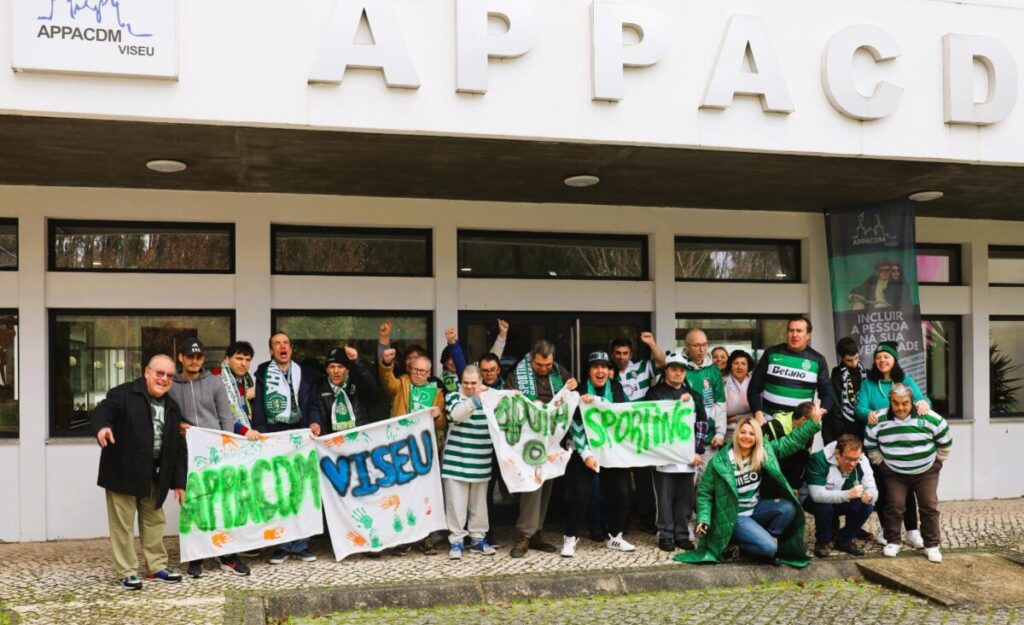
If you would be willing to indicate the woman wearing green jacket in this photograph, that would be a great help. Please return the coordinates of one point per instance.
(730, 506)
(874, 397)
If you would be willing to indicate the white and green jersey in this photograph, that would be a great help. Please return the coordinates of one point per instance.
(468, 450)
(786, 379)
(908, 445)
(748, 485)
(636, 379)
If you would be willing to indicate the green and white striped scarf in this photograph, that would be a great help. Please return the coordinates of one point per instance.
(526, 379)
(237, 401)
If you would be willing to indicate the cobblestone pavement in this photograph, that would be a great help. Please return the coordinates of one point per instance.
(838, 602)
(70, 582)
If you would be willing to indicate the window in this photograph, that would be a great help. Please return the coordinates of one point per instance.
(551, 256)
(1005, 265)
(315, 333)
(1006, 374)
(751, 334)
(8, 244)
(9, 374)
(91, 352)
(305, 250)
(141, 246)
(737, 260)
(938, 264)
(942, 337)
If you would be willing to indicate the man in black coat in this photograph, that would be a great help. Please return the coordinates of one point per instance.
(345, 373)
(143, 458)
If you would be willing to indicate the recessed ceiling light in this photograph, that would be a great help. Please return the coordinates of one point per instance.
(925, 196)
(166, 166)
(553, 274)
(466, 269)
(97, 263)
(583, 180)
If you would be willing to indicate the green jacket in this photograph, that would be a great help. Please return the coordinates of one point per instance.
(718, 501)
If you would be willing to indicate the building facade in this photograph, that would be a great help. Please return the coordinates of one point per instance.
(409, 162)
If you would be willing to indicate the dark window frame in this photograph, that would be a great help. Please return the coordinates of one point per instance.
(956, 262)
(12, 221)
(959, 346)
(53, 224)
(1017, 318)
(643, 239)
(51, 331)
(796, 244)
(740, 315)
(1019, 249)
(426, 233)
(276, 313)
(15, 435)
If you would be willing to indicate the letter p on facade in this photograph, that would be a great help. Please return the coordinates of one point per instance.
(610, 55)
(476, 45)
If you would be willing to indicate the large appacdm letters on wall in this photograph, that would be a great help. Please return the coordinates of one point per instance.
(99, 37)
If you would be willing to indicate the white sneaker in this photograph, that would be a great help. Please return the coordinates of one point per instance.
(880, 539)
(891, 550)
(933, 553)
(569, 546)
(618, 543)
(914, 539)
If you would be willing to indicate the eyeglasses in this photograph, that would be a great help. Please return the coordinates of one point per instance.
(162, 374)
(697, 345)
(419, 371)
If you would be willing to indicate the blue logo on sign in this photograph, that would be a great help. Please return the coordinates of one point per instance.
(95, 8)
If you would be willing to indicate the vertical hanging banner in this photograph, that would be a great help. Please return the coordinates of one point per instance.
(640, 434)
(381, 484)
(243, 495)
(527, 436)
(873, 268)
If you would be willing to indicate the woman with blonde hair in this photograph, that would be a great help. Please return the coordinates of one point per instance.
(744, 498)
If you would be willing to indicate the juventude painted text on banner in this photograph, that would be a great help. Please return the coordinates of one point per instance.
(640, 434)
(527, 436)
(381, 484)
(243, 495)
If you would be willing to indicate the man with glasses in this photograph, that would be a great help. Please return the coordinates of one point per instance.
(703, 375)
(412, 391)
(839, 482)
(880, 290)
(204, 403)
(142, 459)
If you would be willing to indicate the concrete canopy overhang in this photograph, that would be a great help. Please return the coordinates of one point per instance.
(49, 151)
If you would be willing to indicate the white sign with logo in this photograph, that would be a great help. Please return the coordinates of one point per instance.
(104, 37)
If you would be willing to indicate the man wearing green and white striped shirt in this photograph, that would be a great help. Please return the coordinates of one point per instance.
(909, 451)
(466, 467)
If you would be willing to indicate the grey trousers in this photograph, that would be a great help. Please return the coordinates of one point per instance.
(533, 507)
(465, 509)
(673, 497)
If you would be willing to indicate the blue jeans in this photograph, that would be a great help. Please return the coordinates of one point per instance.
(296, 546)
(757, 534)
(825, 514)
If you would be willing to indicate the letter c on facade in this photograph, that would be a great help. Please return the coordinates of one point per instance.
(837, 72)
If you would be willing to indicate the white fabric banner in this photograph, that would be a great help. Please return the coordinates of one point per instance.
(527, 436)
(244, 494)
(381, 484)
(640, 434)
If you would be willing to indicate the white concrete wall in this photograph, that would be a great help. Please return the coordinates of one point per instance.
(251, 66)
(53, 481)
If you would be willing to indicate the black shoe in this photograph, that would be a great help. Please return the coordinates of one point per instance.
(279, 556)
(666, 544)
(401, 550)
(427, 547)
(195, 569)
(851, 548)
(731, 553)
(684, 544)
(521, 546)
(537, 542)
(234, 564)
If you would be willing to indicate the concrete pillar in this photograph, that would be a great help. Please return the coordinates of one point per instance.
(253, 284)
(34, 371)
(975, 357)
(446, 284)
(663, 272)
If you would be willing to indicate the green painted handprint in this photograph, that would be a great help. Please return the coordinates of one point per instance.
(397, 524)
(360, 516)
(410, 518)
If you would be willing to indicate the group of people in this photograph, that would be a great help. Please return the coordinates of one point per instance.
(742, 491)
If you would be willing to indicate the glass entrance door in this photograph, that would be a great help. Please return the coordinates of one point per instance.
(574, 335)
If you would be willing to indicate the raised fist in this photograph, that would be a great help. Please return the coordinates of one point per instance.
(388, 356)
